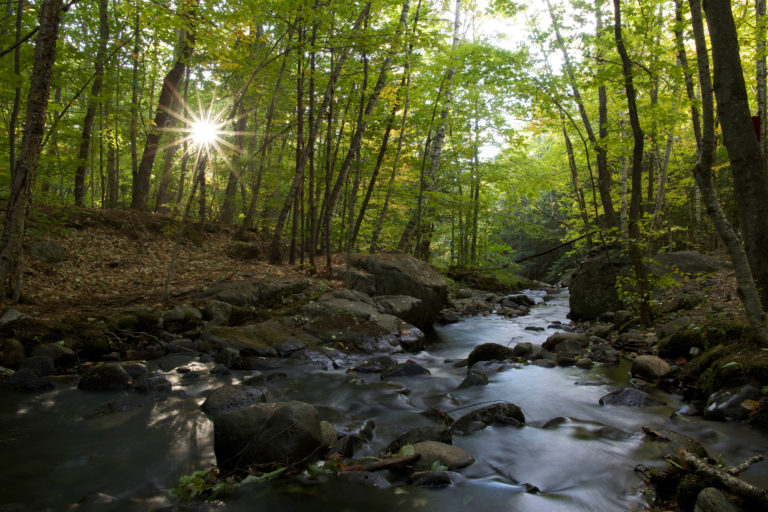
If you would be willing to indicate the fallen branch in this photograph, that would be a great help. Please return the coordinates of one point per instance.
(728, 479)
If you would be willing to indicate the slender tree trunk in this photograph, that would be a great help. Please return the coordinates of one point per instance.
(312, 227)
(135, 54)
(576, 185)
(704, 130)
(93, 103)
(23, 177)
(635, 206)
(436, 148)
(760, 72)
(17, 90)
(185, 148)
(163, 194)
(170, 86)
(747, 164)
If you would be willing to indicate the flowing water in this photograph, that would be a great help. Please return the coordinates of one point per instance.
(72, 450)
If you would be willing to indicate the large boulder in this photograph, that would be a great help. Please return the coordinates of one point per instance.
(593, 286)
(266, 434)
(48, 251)
(400, 274)
(650, 368)
(228, 398)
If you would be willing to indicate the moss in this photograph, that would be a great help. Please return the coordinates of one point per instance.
(732, 365)
(681, 342)
(87, 336)
(687, 491)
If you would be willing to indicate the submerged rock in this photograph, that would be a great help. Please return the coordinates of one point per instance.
(504, 413)
(630, 397)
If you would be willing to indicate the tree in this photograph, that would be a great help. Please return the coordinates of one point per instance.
(11, 258)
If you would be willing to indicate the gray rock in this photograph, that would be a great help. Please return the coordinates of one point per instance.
(377, 364)
(135, 369)
(584, 363)
(404, 307)
(489, 352)
(674, 325)
(731, 403)
(227, 356)
(288, 347)
(244, 251)
(503, 413)
(565, 360)
(630, 397)
(247, 338)
(105, 377)
(11, 353)
(447, 455)
(48, 251)
(689, 262)
(670, 443)
(399, 274)
(474, 379)
(219, 312)
(568, 348)
(650, 368)
(150, 384)
(431, 479)
(42, 366)
(316, 358)
(712, 500)
(10, 316)
(406, 369)
(328, 432)
(523, 350)
(559, 337)
(55, 351)
(419, 434)
(180, 318)
(593, 286)
(229, 398)
(448, 316)
(366, 478)
(267, 434)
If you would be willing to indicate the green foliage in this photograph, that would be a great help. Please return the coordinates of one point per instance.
(209, 485)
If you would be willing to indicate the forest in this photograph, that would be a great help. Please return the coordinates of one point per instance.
(337, 183)
(381, 126)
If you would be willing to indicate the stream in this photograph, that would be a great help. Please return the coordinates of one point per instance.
(73, 450)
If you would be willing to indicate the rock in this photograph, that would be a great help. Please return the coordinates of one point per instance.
(406, 369)
(347, 446)
(366, 478)
(180, 319)
(489, 352)
(419, 434)
(650, 368)
(328, 432)
(237, 293)
(521, 300)
(688, 262)
(735, 403)
(683, 301)
(674, 325)
(447, 455)
(42, 366)
(630, 397)
(523, 350)
(244, 251)
(57, 352)
(247, 338)
(712, 500)
(559, 337)
(404, 307)
(230, 397)
(568, 348)
(227, 357)
(584, 363)
(534, 328)
(219, 313)
(593, 286)
(565, 360)
(448, 316)
(489, 367)
(105, 377)
(474, 379)
(286, 348)
(671, 443)
(431, 479)
(377, 364)
(11, 353)
(316, 358)
(266, 434)
(400, 274)
(5, 373)
(48, 251)
(156, 384)
(504, 413)
(11, 315)
(135, 369)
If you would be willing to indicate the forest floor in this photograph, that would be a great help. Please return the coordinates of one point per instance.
(119, 258)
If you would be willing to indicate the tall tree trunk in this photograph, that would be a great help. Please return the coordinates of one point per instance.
(17, 90)
(436, 147)
(760, 72)
(747, 165)
(23, 177)
(312, 227)
(170, 86)
(93, 103)
(702, 172)
(163, 194)
(135, 54)
(576, 185)
(635, 205)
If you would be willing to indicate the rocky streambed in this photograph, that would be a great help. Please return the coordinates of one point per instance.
(420, 430)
